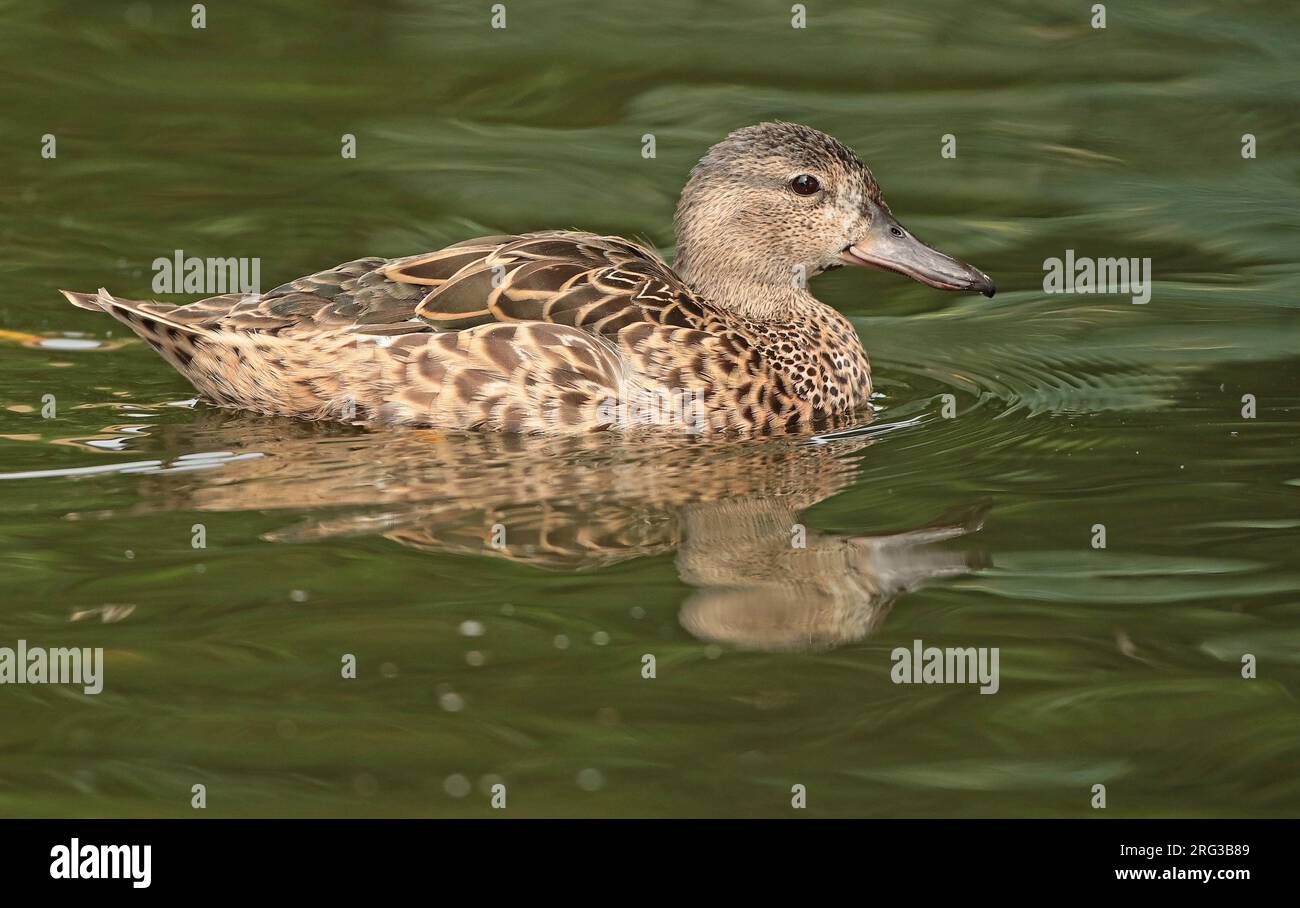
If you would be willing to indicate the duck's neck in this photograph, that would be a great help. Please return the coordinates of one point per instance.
(761, 298)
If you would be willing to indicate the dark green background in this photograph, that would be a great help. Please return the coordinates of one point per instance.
(1118, 666)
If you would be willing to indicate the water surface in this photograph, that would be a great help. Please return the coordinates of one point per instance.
(1119, 666)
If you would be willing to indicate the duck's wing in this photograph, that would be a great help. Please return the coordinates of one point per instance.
(600, 284)
(596, 283)
(351, 294)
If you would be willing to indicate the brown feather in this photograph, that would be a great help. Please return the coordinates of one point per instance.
(533, 333)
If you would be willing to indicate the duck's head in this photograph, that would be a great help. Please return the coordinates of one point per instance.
(776, 203)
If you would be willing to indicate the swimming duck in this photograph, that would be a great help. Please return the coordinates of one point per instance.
(571, 332)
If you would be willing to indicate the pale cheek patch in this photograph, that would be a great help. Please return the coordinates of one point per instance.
(846, 212)
(853, 198)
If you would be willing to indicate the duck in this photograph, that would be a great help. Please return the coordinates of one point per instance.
(562, 332)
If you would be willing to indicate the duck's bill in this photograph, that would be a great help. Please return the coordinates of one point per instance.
(890, 247)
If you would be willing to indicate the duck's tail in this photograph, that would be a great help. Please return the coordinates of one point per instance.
(154, 322)
(83, 300)
(147, 319)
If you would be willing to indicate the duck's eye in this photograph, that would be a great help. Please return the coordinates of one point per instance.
(805, 184)
(896, 231)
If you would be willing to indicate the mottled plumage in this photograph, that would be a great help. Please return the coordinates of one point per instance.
(566, 331)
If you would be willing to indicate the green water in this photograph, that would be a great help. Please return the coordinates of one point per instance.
(1119, 666)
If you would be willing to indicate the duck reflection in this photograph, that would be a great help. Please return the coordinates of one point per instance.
(763, 579)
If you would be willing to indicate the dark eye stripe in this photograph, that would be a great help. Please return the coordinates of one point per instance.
(805, 184)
